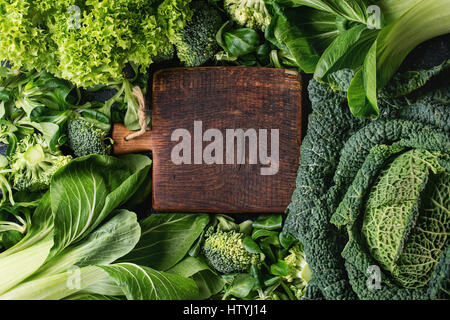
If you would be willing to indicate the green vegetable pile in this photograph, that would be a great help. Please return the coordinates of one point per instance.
(372, 200)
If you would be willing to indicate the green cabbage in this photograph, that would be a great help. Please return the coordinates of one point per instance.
(371, 205)
(407, 218)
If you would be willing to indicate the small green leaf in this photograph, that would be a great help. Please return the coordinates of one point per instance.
(287, 239)
(258, 233)
(271, 222)
(226, 223)
(272, 240)
(357, 99)
(280, 268)
(142, 283)
(257, 275)
(263, 53)
(246, 227)
(250, 245)
(271, 281)
(241, 286)
(196, 248)
(241, 41)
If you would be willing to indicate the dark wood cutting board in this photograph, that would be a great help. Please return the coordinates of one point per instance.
(221, 98)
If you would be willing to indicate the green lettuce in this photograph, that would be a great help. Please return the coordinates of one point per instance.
(88, 42)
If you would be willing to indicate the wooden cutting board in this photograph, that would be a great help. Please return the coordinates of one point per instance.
(195, 113)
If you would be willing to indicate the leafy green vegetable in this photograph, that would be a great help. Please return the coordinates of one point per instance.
(5, 185)
(24, 40)
(166, 238)
(237, 42)
(355, 10)
(280, 268)
(142, 283)
(61, 219)
(208, 282)
(88, 42)
(378, 182)
(38, 101)
(240, 287)
(388, 221)
(364, 37)
(71, 244)
(259, 264)
(299, 273)
(302, 34)
(423, 21)
(270, 222)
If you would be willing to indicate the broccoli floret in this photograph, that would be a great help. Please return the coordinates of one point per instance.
(300, 273)
(196, 43)
(226, 253)
(85, 139)
(34, 163)
(249, 13)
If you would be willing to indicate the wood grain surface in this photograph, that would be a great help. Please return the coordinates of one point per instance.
(222, 98)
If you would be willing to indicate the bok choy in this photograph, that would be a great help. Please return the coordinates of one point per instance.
(371, 38)
(79, 230)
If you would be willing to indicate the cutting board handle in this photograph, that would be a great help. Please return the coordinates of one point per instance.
(138, 144)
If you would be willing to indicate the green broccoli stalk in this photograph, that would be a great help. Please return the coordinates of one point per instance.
(84, 138)
(196, 43)
(5, 186)
(249, 13)
(225, 252)
(33, 163)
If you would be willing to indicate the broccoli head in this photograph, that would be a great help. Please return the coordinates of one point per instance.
(249, 13)
(84, 138)
(226, 253)
(196, 43)
(34, 163)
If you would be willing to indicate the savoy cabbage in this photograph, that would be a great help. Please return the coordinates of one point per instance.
(372, 197)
